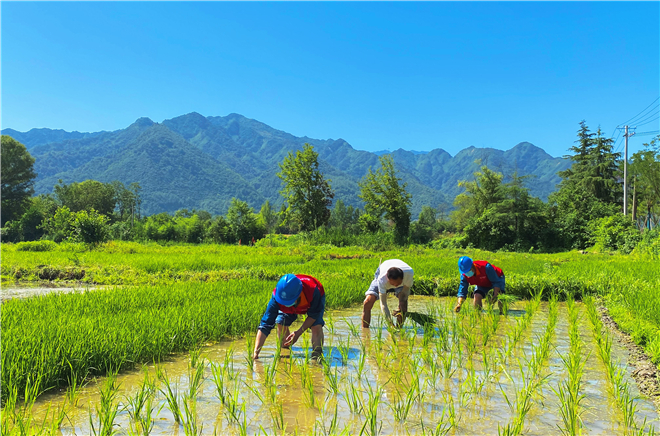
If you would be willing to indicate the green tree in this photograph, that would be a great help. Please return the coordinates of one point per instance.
(87, 195)
(383, 193)
(268, 216)
(17, 174)
(306, 191)
(424, 229)
(127, 200)
(589, 189)
(500, 215)
(644, 171)
(485, 190)
(243, 222)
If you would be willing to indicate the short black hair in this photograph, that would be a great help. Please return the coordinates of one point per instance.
(394, 273)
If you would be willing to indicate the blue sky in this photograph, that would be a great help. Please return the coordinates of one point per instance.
(379, 75)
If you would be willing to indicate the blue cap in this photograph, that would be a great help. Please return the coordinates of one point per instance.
(464, 264)
(288, 290)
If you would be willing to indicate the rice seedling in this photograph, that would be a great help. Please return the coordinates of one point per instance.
(170, 392)
(307, 386)
(242, 425)
(450, 408)
(372, 425)
(190, 425)
(521, 403)
(353, 398)
(195, 354)
(352, 328)
(233, 407)
(138, 401)
(108, 408)
(333, 425)
(442, 428)
(195, 379)
(344, 349)
(249, 349)
(615, 374)
(569, 391)
(402, 404)
(331, 376)
(330, 324)
(277, 416)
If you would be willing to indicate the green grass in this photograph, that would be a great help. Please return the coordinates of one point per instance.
(173, 298)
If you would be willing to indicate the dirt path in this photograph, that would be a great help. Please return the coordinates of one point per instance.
(646, 374)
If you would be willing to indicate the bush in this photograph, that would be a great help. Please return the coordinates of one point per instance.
(89, 227)
(616, 232)
(36, 246)
(448, 240)
(649, 243)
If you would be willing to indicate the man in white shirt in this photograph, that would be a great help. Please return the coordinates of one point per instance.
(392, 275)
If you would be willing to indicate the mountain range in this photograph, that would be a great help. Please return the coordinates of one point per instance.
(193, 161)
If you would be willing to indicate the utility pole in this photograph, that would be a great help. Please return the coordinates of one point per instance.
(625, 172)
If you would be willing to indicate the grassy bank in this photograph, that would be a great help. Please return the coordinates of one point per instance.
(173, 298)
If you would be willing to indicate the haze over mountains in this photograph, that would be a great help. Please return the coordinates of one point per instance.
(193, 161)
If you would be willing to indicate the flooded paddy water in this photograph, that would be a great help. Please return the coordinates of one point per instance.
(465, 375)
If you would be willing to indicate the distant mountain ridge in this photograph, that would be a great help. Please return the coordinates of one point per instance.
(193, 161)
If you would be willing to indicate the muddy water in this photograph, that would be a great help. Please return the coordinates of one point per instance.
(13, 291)
(364, 361)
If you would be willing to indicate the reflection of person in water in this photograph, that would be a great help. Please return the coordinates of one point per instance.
(294, 295)
(392, 275)
(484, 276)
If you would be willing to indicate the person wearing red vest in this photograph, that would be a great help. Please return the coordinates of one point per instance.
(484, 276)
(294, 295)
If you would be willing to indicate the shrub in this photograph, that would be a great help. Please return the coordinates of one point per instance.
(36, 246)
(615, 232)
(89, 227)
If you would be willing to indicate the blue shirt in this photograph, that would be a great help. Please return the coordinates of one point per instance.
(315, 310)
(495, 281)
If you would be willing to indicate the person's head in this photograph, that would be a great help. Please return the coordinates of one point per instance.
(395, 276)
(466, 266)
(288, 290)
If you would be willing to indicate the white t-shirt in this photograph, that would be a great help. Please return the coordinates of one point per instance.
(384, 284)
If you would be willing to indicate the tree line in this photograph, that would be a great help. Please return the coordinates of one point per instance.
(495, 211)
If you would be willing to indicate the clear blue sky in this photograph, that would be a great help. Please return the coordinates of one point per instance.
(379, 75)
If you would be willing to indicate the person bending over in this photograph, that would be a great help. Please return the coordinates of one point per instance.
(392, 275)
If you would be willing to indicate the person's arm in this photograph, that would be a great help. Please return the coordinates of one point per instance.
(495, 280)
(382, 291)
(462, 293)
(316, 307)
(265, 326)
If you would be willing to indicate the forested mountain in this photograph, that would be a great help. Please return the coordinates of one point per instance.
(201, 162)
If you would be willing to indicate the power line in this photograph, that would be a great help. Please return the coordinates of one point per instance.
(630, 120)
(648, 115)
(652, 132)
(648, 122)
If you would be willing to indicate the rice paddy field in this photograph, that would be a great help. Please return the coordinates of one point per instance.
(161, 345)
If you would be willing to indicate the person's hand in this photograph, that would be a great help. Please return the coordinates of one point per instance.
(292, 338)
(457, 308)
(255, 356)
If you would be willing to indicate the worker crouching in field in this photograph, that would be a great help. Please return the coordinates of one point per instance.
(484, 276)
(392, 275)
(294, 295)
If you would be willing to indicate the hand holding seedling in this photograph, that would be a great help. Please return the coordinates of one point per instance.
(292, 338)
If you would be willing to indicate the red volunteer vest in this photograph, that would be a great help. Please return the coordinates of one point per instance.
(309, 284)
(480, 278)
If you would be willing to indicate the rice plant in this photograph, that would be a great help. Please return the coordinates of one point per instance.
(171, 394)
(108, 408)
(139, 402)
(569, 391)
